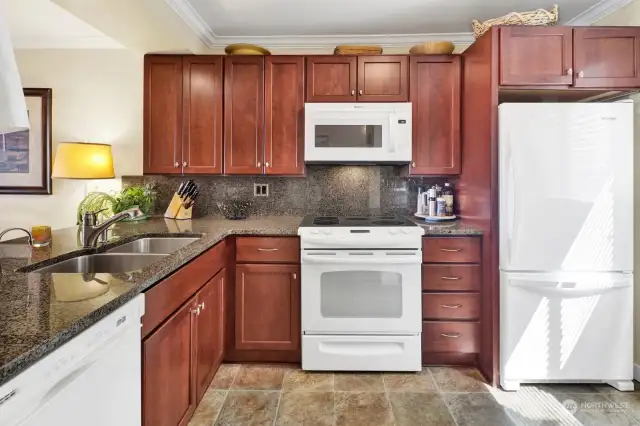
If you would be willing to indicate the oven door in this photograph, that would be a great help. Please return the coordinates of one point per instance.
(361, 292)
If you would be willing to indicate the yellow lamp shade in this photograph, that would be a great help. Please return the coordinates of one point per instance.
(78, 160)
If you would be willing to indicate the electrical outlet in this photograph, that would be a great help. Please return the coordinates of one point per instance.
(260, 189)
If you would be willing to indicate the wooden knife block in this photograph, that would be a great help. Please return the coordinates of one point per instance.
(176, 209)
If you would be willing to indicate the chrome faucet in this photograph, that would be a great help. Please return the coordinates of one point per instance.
(91, 231)
(18, 229)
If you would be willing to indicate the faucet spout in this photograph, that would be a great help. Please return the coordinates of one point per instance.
(18, 229)
(91, 232)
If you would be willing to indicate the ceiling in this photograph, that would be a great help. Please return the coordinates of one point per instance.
(41, 24)
(221, 21)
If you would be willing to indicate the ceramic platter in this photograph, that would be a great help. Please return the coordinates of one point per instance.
(435, 218)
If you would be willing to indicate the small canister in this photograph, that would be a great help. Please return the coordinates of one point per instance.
(441, 206)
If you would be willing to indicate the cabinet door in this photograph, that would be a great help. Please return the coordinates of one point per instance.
(244, 115)
(331, 78)
(284, 110)
(435, 98)
(162, 114)
(383, 79)
(607, 57)
(210, 332)
(168, 393)
(202, 114)
(533, 56)
(268, 307)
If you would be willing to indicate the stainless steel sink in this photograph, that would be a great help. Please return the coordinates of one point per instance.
(103, 263)
(159, 245)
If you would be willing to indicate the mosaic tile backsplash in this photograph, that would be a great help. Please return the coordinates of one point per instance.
(342, 190)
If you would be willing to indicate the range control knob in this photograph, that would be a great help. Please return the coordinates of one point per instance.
(406, 230)
(314, 231)
(326, 231)
(393, 231)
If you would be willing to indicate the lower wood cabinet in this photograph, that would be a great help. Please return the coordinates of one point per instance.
(180, 358)
(168, 385)
(267, 307)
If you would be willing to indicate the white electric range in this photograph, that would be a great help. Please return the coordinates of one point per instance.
(361, 293)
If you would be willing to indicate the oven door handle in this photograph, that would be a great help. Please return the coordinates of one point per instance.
(362, 260)
(347, 242)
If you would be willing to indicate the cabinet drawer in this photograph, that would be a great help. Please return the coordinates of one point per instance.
(450, 336)
(268, 249)
(452, 306)
(451, 249)
(451, 277)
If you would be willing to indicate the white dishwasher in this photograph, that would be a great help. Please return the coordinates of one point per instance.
(94, 379)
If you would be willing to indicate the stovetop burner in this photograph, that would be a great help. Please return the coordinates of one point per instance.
(356, 221)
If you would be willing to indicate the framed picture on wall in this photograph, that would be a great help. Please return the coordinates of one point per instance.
(25, 156)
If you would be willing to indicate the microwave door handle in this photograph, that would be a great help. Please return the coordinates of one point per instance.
(392, 136)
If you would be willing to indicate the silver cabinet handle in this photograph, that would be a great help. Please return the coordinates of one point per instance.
(413, 164)
(267, 164)
(360, 92)
(184, 164)
(452, 335)
(581, 74)
(267, 249)
(295, 276)
(176, 164)
(570, 71)
(353, 93)
(201, 306)
(451, 250)
(452, 306)
(196, 311)
(259, 164)
(451, 278)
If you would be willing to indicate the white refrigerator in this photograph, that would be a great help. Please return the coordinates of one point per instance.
(566, 243)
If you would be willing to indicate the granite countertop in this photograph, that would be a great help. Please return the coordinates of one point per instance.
(36, 315)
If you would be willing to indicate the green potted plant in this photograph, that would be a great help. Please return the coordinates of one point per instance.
(142, 196)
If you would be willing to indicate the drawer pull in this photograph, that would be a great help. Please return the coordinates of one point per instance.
(452, 335)
(451, 278)
(267, 249)
(451, 250)
(452, 306)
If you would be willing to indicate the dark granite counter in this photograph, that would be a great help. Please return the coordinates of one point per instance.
(37, 311)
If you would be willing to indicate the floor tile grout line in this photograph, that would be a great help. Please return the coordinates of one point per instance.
(386, 395)
(442, 394)
(226, 395)
(335, 420)
(275, 418)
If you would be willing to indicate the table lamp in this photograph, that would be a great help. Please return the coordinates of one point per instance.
(83, 160)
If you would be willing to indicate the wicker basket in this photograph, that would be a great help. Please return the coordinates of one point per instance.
(345, 49)
(538, 17)
(433, 48)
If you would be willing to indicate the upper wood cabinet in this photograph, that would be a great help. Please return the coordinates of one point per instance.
(162, 114)
(169, 391)
(183, 114)
(284, 110)
(606, 57)
(361, 78)
(244, 115)
(202, 114)
(536, 56)
(267, 311)
(331, 78)
(383, 79)
(435, 98)
(580, 57)
(210, 332)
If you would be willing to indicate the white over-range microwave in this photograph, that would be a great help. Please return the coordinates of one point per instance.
(352, 133)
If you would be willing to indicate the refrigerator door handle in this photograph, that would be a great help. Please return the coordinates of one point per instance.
(569, 293)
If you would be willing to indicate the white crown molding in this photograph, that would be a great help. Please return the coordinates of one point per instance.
(597, 12)
(293, 42)
(45, 42)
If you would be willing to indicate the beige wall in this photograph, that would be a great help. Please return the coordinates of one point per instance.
(97, 96)
(629, 15)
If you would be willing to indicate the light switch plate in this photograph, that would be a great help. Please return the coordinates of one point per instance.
(260, 189)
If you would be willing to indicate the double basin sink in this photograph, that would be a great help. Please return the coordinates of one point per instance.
(127, 257)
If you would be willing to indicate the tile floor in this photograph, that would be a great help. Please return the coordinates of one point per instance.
(439, 396)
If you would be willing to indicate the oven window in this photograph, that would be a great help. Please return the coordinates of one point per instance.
(361, 294)
(349, 136)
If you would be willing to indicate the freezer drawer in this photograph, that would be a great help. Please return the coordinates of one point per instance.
(361, 353)
(566, 326)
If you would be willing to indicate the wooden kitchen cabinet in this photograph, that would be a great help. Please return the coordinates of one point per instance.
(183, 114)
(210, 332)
(244, 115)
(331, 78)
(531, 56)
(284, 111)
(606, 57)
(435, 98)
(267, 307)
(168, 384)
(383, 78)
(162, 114)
